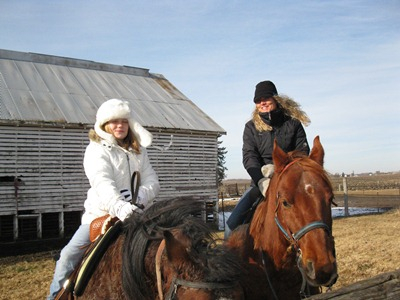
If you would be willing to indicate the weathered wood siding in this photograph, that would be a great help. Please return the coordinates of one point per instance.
(48, 164)
(188, 166)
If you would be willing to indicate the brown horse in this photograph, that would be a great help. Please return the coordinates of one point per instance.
(288, 245)
(166, 253)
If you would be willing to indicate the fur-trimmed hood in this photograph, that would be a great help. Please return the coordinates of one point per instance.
(118, 109)
(289, 107)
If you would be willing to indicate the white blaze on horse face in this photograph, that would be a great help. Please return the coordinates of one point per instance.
(309, 188)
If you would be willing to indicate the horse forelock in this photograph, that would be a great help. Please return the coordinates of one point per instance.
(212, 262)
(223, 265)
(309, 165)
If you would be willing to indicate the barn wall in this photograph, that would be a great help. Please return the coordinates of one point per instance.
(188, 166)
(41, 171)
(47, 163)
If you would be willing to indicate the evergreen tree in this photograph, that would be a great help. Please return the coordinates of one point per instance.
(221, 164)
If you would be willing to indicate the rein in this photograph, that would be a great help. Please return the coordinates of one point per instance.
(135, 183)
(176, 282)
(294, 238)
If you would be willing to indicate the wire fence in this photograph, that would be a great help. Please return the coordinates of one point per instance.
(377, 182)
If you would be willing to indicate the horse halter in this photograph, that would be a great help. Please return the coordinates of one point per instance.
(176, 282)
(294, 238)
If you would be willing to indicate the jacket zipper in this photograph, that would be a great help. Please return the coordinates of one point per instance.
(129, 165)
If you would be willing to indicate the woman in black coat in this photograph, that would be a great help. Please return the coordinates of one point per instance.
(276, 117)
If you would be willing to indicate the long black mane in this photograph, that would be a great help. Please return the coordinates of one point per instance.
(218, 263)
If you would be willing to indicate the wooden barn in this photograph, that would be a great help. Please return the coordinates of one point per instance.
(47, 106)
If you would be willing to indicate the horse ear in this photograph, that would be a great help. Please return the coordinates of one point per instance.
(176, 251)
(317, 152)
(279, 157)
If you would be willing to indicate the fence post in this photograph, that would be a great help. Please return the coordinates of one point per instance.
(346, 198)
(223, 211)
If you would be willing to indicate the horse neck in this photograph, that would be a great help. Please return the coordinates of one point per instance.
(265, 233)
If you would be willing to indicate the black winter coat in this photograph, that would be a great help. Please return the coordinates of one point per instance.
(258, 146)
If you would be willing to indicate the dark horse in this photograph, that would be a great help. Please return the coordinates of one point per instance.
(288, 245)
(166, 253)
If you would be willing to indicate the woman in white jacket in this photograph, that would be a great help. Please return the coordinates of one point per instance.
(116, 150)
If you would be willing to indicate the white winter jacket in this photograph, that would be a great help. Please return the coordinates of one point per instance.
(109, 168)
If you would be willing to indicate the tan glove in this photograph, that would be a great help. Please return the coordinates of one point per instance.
(263, 183)
(267, 170)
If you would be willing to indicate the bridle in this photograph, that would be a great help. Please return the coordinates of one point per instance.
(176, 282)
(293, 239)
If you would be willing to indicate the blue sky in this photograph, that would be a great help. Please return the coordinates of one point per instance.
(339, 59)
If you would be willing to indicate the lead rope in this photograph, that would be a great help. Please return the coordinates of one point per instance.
(158, 269)
(303, 294)
(269, 280)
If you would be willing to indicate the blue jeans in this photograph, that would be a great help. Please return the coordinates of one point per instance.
(239, 214)
(70, 256)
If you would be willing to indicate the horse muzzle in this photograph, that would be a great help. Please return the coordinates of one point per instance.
(323, 276)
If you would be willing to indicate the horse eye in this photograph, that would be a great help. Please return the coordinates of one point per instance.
(286, 203)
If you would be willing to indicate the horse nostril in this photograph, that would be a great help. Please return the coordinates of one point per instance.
(310, 270)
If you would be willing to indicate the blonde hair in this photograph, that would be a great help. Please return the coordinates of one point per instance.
(289, 107)
(130, 141)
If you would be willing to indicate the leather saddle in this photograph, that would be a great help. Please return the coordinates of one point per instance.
(77, 281)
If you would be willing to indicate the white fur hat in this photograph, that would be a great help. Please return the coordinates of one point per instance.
(118, 109)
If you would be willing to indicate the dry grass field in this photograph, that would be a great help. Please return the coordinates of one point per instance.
(366, 246)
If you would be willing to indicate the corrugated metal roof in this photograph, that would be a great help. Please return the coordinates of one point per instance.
(37, 87)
